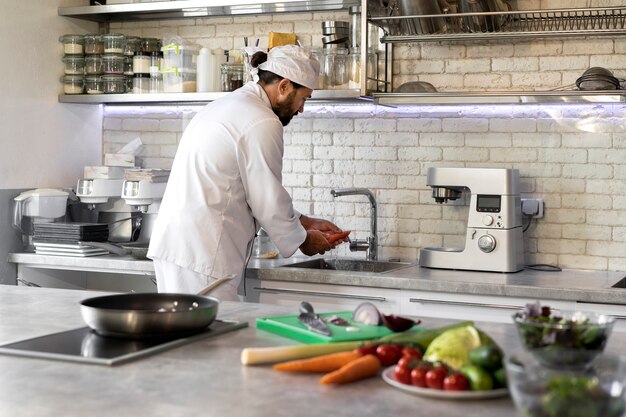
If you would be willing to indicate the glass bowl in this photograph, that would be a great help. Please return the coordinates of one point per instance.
(595, 391)
(564, 339)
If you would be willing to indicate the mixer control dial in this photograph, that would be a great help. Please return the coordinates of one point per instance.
(487, 220)
(487, 243)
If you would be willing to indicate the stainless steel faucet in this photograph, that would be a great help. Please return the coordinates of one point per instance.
(371, 243)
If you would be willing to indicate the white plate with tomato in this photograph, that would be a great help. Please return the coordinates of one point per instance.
(389, 377)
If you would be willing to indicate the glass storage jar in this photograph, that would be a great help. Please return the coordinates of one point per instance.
(93, 84)
(74, 65)
(114, 43)
(335, 68)
(128, 65)
(231, 76)
(73, 84)
(113, 63)
(73, 44)
(94, 44)
(114, 84)
(141, 83)
(93, 64)
(141, 62)
(150, 44)
(132, 45)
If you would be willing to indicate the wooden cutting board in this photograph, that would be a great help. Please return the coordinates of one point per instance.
(290, 326)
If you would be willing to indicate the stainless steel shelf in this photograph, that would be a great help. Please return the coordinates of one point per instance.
(508, 97)
(318, 96)
(182, 9)
(597, 21)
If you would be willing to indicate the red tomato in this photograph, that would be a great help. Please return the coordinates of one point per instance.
(366, 349)
(408, 362)
(455, 382)
(412, 352)
(402, 374)
(435, 377)
(388, 354)
(418, 377)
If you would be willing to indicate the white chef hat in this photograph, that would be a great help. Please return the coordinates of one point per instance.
(294, 63)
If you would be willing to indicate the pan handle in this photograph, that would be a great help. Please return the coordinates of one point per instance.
(213, 285)
(108, 246)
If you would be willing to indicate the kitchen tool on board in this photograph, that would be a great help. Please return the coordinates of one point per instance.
(291, 327)
(493, 240)
(146, 315)
(311, 320)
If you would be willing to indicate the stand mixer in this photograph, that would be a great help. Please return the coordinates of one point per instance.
(143, 190)
(494, 239)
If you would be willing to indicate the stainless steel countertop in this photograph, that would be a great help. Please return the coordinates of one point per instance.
(202, 378)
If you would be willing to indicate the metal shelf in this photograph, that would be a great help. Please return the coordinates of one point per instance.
(318, 97)
(597, 21)
(507, 97)
(182, 9)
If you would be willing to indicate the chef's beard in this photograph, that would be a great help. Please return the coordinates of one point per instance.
(283, 111)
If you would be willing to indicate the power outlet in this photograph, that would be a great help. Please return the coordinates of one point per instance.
(532, 207)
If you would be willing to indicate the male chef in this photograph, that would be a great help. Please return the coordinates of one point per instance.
(226, 181)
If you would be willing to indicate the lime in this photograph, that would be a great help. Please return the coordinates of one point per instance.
(488, 357)
(499, 378)
(480, 380)
(453, 346)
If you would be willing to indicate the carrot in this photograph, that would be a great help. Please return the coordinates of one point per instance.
(323, 363)
(338, 236)
(361, 368)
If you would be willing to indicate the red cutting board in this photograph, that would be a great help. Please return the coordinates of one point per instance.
(290, 326)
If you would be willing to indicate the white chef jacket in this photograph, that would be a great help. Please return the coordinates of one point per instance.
(227, 172)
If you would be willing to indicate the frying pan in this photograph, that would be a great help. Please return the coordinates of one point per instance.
(138, 250)
(150, 315)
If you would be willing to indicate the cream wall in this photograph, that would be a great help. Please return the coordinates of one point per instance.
(572, 156)
(44, 143)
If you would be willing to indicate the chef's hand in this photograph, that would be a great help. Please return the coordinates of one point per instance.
(315, 243)
(324, 226)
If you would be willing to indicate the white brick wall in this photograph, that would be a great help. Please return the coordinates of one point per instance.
(574, 157)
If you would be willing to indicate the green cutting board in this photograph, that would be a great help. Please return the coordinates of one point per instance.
(290, 326)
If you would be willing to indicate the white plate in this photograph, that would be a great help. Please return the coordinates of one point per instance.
(441, 394)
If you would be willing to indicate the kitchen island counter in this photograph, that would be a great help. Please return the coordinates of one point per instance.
(203, 378)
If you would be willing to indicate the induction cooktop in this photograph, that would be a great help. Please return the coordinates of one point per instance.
(86, 346)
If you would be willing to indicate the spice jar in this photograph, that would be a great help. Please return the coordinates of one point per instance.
(73, 84)
(114, 43)
(113, 64)
(93, 64)
(114, 84)
(141, 62)
(150, 44)
(94, 44)
(74, 65)
(141, 83)
(73, 44)
(93, 84)
(231, 76)
(133, 44)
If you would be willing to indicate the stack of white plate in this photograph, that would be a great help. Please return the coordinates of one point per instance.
(67, 249)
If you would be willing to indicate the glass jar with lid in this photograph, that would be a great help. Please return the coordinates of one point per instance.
(113, 64)
(150, 44)
(93, 84)
(73, 84)
(73, 44)
(93, 64)
(74, 64)
(141, 83)
(141, 62)
(114, 84)
(231, 76)
(94, 44)
(128, 65)
(133, 44)
(335, 68)
(114, 43)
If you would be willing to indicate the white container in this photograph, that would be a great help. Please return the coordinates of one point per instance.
(47, 203)
(204, 71)
(175, 81)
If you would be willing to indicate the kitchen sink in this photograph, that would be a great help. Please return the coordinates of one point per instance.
(357, 265)
(620, 284)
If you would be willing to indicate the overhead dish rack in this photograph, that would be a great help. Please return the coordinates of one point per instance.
(599, 21)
